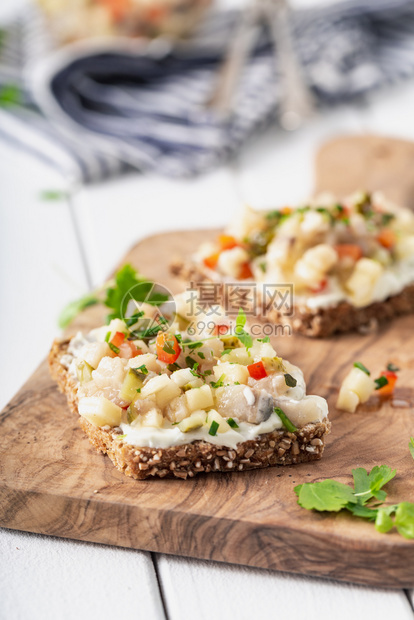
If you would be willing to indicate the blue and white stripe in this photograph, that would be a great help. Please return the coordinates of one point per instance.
(97, 110)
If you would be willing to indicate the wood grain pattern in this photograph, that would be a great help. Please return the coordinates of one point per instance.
(48, 472)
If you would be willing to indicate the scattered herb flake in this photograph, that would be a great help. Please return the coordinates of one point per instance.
(232, 423)
(380, 382)
(289, 426)
(362, 367)
(392, 367)
(290, 381)
(213, 428)
(143, 369)
(244, 337)
(113, 348)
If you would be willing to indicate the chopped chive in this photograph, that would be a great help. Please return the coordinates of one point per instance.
(226, 351)
(362, 367)
(219, 383)
(107, 337)
(139, 390)
(191, 363)
(380, 382)
(174, 367)
(392, 367)
(289, 426)
(143, 369)
(290, 381)
(113, 348)
(213, 428)
(232, 423)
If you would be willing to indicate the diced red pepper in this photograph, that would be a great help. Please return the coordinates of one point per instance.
(212, 260)
(257, 371)
(227, 242)
(220, 330)
(128, 350)
(118, 339)
(245, 272)
(319, 287)
(164, 344)
(387, 238)
(388, 389)
(348, 250)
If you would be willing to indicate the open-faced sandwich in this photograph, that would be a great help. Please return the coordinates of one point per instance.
(162, 402)
(350, 263)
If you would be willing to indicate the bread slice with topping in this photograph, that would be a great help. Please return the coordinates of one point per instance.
(350, 263)
(175, 404)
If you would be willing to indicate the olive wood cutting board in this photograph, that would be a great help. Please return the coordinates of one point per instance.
(53, 482)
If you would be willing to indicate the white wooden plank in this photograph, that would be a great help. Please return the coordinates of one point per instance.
(45, 578)
(204, 590)
(40, 268)
(115, 215)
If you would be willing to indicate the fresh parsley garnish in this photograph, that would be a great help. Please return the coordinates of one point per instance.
(380, 382)
(244, 337)
(226, 351)
(265, 339)
(289, 426)
(333, 496)
(213, 428)
(191, 363)
(201, 355)
(362, 367)
(169, 347)
(290, 381)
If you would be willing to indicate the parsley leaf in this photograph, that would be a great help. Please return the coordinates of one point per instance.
(290, 381)
(368, 485)
(70, 311)
(380, 382)
(326, 495)
(404, 519)
(244, 337)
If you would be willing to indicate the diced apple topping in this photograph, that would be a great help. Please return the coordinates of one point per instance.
(100, 411)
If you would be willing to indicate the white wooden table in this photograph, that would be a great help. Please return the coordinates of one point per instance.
(49, 254)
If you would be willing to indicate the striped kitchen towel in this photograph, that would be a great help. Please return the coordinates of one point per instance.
(95, 110)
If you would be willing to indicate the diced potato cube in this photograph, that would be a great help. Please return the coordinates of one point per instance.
(149, 360)
(100, 411)
(360, 383)
(153, 418)
(117, 325)
(262, 349)
(156, 384)
(347, 400)
(196, 382)
(167, 394)
(405, 247)
(199, 398)
(214, 415)
(362, 282)
(230, 261)
(182, 377)
(238, 356)
(234, 373)
(94, 352)
(141, 345)
(195, 420)
(273, 364)
(131, 384)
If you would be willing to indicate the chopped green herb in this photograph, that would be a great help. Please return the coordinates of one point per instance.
(392, 367)
(113, 348)
(213, 428)
(10, 95)
(232, 423)
(380, 382)
(244, 337)
(143, 369)
(265, 339)
(134, 318)
(207, 373)
(227, 351)
(51, 195)
(139, 390)
(174, 367)
(191, 363)
(219, 383)
(290, 381)
(121, 437)
(411, 446)
(263, 267)
(201, 354)
(289, 426)
(108, 336)
(169, 347)
(72, 309)
(195, 345)
(362, 367)
(386, 218)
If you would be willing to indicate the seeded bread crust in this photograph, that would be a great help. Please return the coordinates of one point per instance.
(324, 322)
(276, 448)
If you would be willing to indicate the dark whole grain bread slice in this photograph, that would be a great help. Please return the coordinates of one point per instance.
(277, 448)
(322, 322)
